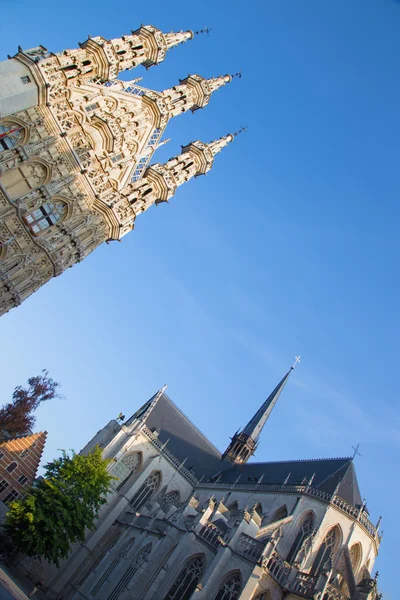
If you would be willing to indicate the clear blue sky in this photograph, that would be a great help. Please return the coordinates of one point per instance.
(290, 245)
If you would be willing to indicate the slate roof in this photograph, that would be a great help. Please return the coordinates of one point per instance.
(329, 472)
(187, 441)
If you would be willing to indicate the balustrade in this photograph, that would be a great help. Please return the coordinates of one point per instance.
(249, 548)
(332, 593)
(278, 568)
(211, 534)
(303, 584)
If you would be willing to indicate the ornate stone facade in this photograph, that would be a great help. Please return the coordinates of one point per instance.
(75, 144)
(183, 523)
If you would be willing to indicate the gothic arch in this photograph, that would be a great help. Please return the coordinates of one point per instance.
(258, 509)
(304, 528)
(328, 548)
(230, 587)
(129, 464)
(356, 557)
(47, 214)
(140, 557)
(266, 595)
(279, 514)
(118, 555)
(13, 265)
(188, 578)
(233, 507)
(26, 177)
(147, 490)
(23, 131)
(171, 498)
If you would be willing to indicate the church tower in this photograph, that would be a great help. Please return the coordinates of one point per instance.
(75, 147)
(244, 443)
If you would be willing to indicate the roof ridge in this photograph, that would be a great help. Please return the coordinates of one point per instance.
(301, 460)
(191, 422)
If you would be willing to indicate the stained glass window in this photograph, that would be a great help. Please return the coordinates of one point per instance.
(122, 553)
(187, 580)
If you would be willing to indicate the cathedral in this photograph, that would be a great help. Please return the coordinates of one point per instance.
(184, 521)
(75, 148)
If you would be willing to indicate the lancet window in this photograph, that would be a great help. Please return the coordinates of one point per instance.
(122, 553)
(10, 136)
(281, 513)
(137, 562)
(230, 588)
(100, 557)
(45, 216)
(355, 556)
(326, 550)
(147, 490)
(302, 535)
(123, 469)
(187, 580)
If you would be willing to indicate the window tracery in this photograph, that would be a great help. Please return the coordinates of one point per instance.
(302, 535)
(45, 216)
(28, 176)
(122, 553)
(147, 490)
(230, 588)
(355, 556)
(325, 551)
(187, 580)
(170, 499)
(137, 562)
(123, 469)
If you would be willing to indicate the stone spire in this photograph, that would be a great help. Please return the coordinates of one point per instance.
(244, 443)
(160, 181)
(105, 59)
(192, 93)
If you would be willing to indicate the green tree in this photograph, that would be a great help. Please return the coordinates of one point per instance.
(59, 509)
(16, 417)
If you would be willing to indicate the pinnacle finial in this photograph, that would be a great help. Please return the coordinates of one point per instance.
(297, 360)
(238, 75)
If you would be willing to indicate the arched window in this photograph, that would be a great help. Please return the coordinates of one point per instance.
(99, 558)
(123, 469)
(233, 507)
(281, 513)
(325, 551)
(302, 535)
(170, 499)
(26, 177)
(137, 562)
(146, 491)
(187, 580)
(11, 467)
(11, 135)
(230, 587)
(47, 215)
(122, 553)
(356, 556)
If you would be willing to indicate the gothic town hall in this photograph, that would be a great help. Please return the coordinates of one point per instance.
(75, 145)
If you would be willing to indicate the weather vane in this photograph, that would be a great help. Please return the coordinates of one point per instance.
(356, 451)
(240, 130)
(204, 30)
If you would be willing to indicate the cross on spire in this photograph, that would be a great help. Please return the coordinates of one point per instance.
(297, 360)
(356, 451)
